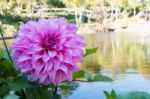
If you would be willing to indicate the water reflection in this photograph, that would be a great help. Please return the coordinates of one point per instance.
(123, 56)
(68, 88)
(118, 53)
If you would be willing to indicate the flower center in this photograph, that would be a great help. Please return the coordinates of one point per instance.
(50, 43)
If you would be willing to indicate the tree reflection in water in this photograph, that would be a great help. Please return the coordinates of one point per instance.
(118, 53)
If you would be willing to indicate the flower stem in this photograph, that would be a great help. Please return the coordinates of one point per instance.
(6, 47)
(23, 93)
(55, 90)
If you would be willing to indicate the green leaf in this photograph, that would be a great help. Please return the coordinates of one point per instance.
(3, 89)
(11, 97)
(68, 87)
(64, 87)
(79, 74)
(137, 95)
(2, 53)
(18, 84)
(108, 96)
(88, 75)
(99, 77)
(5, 63)
(113, 94)
(43, 93)
(6, 68)
(30, 92)
(90, 51)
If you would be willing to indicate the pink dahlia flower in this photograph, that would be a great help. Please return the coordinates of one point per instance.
(49, 50)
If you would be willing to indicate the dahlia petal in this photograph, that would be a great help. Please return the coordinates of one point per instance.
(43, 78)
(39, 68)
(72, 28)
(43, 26)
(52, 75)
(34, 76)
(52, 53)
(26, 69)
(24, 57)
(63, 68)
(59, 77)
(54, 26)
(46, 57)
(68, 59)
(38, 65)
(37, 57)
(72, 67)
(17, 53)
(67, 44)
(60, 56)
(56, 63)
(77, 59)
(69, 75)
(48, 66)
(23, 64)
(62, 20)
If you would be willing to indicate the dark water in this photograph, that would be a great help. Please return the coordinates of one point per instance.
(125, 57)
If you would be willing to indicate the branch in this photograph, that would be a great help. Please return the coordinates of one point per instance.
(80, 80)
(77, 80)
(7, 38)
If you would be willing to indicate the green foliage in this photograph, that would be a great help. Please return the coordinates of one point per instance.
(68, 87)
(130, 95)
(38, 92)
(42, 92)
(138, 95)
(100, 77)
(74, 3)
(2, 54)
(6, 68)
(79, 74)
(56, 3)
(90, 51)
(8, 18)
(18, 84)
(91, 78)
(134, 95)
(88, 75)
(3, 89)
(111, 95)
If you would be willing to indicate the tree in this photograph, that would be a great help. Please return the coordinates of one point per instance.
(133, 4)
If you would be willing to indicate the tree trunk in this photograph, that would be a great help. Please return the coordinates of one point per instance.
(80, 16)
(76, 16)
(134, 9)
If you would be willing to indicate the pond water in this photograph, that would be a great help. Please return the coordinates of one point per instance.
(125, 57)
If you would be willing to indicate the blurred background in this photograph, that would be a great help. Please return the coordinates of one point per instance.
(120, 29)
(103, 15)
